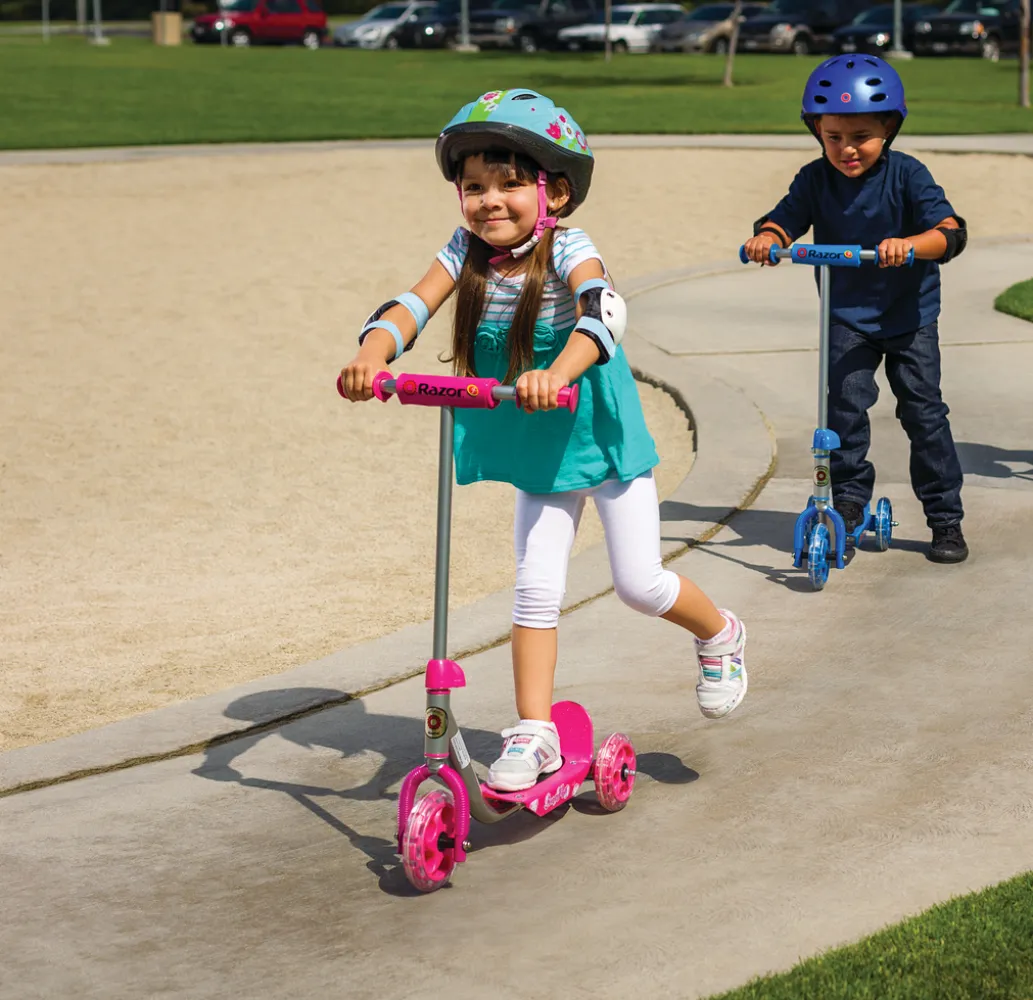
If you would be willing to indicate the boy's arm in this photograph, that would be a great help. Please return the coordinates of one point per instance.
(786, 222)
(941, 243)
(379, 347)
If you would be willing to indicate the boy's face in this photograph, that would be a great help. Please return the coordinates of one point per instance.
(853, 143)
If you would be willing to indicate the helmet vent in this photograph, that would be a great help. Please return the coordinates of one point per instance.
(824, 83)
(873, 81)
(877, 97)
(524, 97)
(871, 61)
(820, 99)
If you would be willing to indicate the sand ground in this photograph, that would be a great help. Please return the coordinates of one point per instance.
(185, 502)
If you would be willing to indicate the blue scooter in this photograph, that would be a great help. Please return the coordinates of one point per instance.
(812, 538)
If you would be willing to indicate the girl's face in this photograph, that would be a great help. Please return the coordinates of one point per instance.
(853, 143)
(501, 205)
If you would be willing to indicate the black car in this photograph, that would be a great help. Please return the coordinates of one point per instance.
(528, 26)
(798, 26)
(970, 28)
(871, 31)
(436, 27)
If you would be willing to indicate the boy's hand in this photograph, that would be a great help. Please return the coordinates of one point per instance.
(893, 252)
(758, 248)
(357, 378)
(537, 390)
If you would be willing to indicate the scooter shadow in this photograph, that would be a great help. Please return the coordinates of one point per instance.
(346, 728)
(772, 529)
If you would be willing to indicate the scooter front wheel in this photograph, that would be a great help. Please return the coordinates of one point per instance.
(818, 557)
(614, 772)
(428, 846)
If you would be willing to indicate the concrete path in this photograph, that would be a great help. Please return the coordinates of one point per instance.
(881, 762)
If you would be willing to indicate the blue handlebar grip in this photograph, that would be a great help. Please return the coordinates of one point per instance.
(773, 253)
(742, 254)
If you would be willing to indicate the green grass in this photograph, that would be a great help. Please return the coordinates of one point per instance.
(69, 93)
(977, 947)
(1017, 300)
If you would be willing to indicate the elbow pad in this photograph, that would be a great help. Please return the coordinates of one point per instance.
(604, 317)
(417, 309)
(957, 240)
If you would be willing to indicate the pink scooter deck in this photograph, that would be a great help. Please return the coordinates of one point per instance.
(577, 743)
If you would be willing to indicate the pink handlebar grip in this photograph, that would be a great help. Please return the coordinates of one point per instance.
(378, 386)
(568, 397)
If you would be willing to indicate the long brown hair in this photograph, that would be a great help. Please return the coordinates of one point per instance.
(471, 288)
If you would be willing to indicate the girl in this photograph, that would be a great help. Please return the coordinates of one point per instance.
(534, 306)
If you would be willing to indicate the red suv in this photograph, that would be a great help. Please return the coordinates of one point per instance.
(257, 22)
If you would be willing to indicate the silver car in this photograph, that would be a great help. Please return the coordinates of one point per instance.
(375, 29)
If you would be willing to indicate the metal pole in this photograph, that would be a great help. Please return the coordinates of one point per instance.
(825, 273)
(608, 20)
(898, 27)
(46, 20)
(464, 24)
(445, 438)
(98, 34)
(1024, 43)
(80, 15)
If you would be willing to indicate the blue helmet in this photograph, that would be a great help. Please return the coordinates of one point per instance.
(854, 85)
(526, 122)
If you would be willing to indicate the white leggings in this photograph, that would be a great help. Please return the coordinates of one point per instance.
(544, 530)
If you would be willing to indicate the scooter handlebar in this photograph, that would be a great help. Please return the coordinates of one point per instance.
(819, 255)
(452, 390)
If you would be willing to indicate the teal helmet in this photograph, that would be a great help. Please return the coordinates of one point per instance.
(525, 122)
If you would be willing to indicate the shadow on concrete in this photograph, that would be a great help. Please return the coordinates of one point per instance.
(993, 462)
(349, 730)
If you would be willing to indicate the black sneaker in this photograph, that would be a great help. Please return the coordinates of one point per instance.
(948, 545)
(852, 514)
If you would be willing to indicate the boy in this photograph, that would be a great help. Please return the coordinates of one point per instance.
(859, 192)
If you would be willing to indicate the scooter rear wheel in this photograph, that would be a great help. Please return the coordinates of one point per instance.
(428, 853)
(883, 524)
(614, 773)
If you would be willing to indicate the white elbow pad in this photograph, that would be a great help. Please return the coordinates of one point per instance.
(604, 317)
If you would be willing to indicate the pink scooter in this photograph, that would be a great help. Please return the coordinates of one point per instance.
(433, 834)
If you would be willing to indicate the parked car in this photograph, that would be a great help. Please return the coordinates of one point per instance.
(798, 26)
(377, 28)
(706, 29)
(528, 26)
(871, 32)
(970, 28)
(255, 22)
(632, 28)
(434, 27)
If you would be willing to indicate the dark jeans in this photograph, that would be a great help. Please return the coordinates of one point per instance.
(913, 372)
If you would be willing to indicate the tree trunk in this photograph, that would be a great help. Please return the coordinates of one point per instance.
(733, 43)
(609, 18)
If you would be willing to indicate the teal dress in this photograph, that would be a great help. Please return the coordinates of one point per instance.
(554, 451)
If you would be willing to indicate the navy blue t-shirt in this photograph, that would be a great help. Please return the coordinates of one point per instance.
(895, 198)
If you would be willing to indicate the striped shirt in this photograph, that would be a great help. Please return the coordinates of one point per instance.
(570, 247)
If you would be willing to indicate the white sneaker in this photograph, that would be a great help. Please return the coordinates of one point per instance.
(722, 671)
(530, 750)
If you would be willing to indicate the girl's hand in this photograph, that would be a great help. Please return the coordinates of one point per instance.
(357, 378)
(758, 248)
(537, 390)
(893, 252)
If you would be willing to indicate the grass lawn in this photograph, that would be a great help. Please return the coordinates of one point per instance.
(977, 947)
(1017, 300)
(69, 93)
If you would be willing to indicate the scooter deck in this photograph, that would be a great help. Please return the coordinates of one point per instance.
(574, 726)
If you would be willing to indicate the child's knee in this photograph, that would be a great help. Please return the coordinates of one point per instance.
(537, 606)
(650, 594)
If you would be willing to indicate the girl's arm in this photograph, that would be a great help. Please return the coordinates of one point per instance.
(538, 390)
(378, 346)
